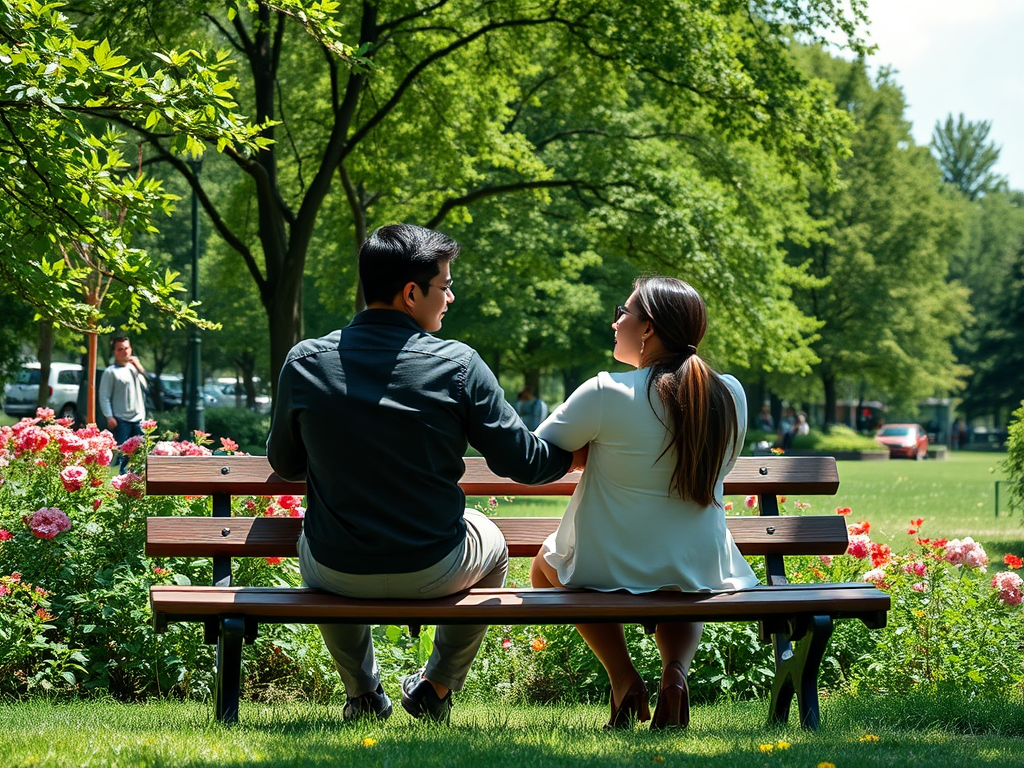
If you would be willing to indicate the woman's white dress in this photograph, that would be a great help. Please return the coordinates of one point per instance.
(622, 529)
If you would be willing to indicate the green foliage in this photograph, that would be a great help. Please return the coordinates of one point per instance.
(837, 439)
(73, 196)
(883, 252)
(989, 261)
(1014, 463)
(965, 157)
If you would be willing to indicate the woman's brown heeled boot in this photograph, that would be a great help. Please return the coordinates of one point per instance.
(634, 706)
(673, 708)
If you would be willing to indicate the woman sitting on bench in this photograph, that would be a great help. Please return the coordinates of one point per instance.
(648, 513)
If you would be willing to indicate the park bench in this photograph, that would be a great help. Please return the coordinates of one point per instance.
(796, 618)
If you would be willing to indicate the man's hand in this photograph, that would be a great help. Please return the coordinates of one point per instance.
(111, 423)
(579, 458)
(138, 366)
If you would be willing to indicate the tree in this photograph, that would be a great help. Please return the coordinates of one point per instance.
(966, 158)
(425, 124)
(889, 313)
(990, 262)
(72, 199)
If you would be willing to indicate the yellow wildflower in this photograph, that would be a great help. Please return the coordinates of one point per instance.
(782, 745)
(368, 742)
(767, 747)
(825, 765)
(658, 759)
(869, 737)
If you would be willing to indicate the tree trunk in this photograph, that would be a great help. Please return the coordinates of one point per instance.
(44, 354)
(532, 381)
(571, 379)
(284, 312)
(828, 381)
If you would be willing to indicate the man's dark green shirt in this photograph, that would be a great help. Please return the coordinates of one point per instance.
(376, 418)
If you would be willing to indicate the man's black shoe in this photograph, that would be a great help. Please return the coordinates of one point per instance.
(421, 700)
(374, 703)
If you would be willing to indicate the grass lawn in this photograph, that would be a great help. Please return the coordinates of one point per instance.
(955, 496)
(170, 734)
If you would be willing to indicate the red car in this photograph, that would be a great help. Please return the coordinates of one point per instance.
(903, 440)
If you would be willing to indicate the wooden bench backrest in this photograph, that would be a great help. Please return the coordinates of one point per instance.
(252, 475)
(276, 536)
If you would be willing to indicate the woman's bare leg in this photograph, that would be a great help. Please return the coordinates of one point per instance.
(607, 641)
(677, 641)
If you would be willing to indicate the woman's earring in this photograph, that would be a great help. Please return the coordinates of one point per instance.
(643, 340)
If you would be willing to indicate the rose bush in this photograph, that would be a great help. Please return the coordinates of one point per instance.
(74, 579)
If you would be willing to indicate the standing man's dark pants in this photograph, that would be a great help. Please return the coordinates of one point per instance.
(122, 432)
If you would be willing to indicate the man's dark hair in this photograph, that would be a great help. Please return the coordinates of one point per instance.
(115, 339)
(398, 254)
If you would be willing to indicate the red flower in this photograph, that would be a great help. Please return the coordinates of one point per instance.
(274, 560)
(918, 522)
(857, 528)
(5, 535)
(880, 554)
(843, 510)
(538, 644)
(229, 444)
(1012, 561)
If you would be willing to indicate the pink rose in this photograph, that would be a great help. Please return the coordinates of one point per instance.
(132, 444)
(129, 484)
(1010, 586)
(918, 587)
(47, 522)
(875, 576)
(70, 442)
(148, 424)
(228, 444)
(751, 502)
(289, 502)
(917, 568)
(44, 414)
(73, 477)
(5, 535)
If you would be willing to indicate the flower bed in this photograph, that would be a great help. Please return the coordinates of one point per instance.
(75, 618)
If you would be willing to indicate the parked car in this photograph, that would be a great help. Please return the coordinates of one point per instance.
(907, 440)
(21, 396)
(230, 393)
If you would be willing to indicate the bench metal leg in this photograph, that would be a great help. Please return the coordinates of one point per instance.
(229, 668)
(796, 671)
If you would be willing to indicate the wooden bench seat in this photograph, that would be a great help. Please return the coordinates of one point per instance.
(796, 618)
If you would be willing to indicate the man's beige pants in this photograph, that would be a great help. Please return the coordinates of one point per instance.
(480, 561)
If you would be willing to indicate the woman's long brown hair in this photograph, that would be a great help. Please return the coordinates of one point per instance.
(701, 409)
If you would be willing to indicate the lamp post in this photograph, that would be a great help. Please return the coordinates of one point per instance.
(194, 416)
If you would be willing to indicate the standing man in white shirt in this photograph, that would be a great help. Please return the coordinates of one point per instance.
(122, 394)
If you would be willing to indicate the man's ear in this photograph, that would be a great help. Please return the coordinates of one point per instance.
(408, 295)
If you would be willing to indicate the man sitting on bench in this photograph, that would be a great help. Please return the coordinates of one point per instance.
(376, 418)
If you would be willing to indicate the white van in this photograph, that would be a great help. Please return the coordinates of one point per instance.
(20, 397)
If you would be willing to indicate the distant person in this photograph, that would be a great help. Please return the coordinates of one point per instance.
(532, 410)
(122, 394)
(799, 427)
(765, 422)
(785, 426)
(959, 434)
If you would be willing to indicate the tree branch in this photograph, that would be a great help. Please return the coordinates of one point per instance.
(500, 189)
(410, 16)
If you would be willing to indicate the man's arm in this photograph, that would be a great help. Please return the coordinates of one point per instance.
(106, 395)
(494, 429)
(286, 451)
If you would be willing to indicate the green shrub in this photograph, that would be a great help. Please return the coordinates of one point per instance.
(1014, 463)
(838, 439)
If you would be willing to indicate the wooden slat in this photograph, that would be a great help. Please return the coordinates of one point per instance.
(515, 606)
(276, 536)
(252, 475)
